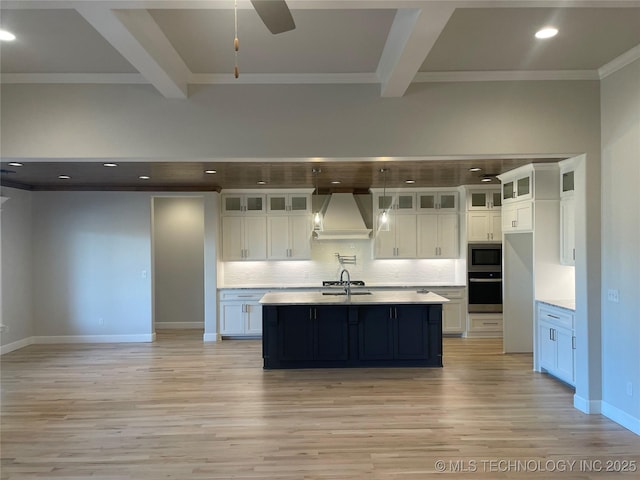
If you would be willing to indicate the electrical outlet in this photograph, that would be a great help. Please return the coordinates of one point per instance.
(630, 389)
(613, 295)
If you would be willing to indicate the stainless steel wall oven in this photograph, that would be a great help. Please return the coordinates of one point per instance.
(484, 275)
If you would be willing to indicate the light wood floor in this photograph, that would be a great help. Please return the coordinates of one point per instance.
(181, 409)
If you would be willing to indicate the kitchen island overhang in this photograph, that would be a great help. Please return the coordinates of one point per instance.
(364, 329)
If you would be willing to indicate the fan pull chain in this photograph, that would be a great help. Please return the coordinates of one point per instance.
(236, 43)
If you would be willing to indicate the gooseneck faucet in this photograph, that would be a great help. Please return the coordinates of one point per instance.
(347, 285)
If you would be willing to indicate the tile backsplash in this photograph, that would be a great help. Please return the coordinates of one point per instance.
(324, 266)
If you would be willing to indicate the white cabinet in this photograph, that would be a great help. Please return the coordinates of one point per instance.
(438, 236)
(400, 202)
(399, 239)
(556, 342)
(567, 231)
(289, 237)
(520, 187)
(241, 313)
(484, 200)
(288, 203)
(243, 203)
(244, 238)
(485, 325)
(453, 312)
(440, 201)
(517, 216)
(484, 226)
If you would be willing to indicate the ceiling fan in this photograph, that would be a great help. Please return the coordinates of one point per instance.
(275, 14)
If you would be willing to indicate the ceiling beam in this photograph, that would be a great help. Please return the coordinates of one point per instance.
(138, 38)
(411, 37)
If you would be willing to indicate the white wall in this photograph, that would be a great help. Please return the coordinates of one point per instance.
(90, 252)
(620, 245)
(17, 269)
(178, 261)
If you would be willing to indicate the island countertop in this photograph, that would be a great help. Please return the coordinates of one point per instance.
(358, 298)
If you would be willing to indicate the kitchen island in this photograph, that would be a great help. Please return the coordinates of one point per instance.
(363, 329)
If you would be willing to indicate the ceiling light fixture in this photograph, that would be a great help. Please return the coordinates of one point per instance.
(261, 182)
(15, 164)
(336, 182)
(144, 177)
(110, 164)
(7, 36)
(410, 181)
(210, 172)
(64, 177)
(475, 169)
(486, 179)
(317, 215)
(236, 42)
(546, 32)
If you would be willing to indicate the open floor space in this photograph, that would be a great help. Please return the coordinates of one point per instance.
(183, 409)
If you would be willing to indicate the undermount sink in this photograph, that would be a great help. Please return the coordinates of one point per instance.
(345, 293)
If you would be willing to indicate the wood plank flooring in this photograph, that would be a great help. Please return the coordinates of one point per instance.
(181, 409)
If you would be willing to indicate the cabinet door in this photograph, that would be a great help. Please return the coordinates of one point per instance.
(448, 201)
(524, 216)
(495, 231)
(427, 202)
(255, 238)
(452, 318)
(232, 204)
(405, 202)
(565, 357)
(405, 235)
(299, 203)
(448, 238)
(232, 238)
(300, 237)
(278, 238)
(567, 232)
(277, 203)
(253, 317)
(231, 319)
(331, 335)
(478, 226)
(496, 199)
(478, 200)
(547, 351)
(523, 187)
(427, 236)
(411, 332)
(375, 333)
(508, 190)
(385, 243)
(295, 332)
(254, 203)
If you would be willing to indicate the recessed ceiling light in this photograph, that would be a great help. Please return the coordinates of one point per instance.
(64, 177)
(144, 177)
(336, 182)
(15, 164)
(475, 169)
(486, 180)
(110, 164)
(261, 182)
(7, 36)
(547, 32)
(409, 181)
(210, 172)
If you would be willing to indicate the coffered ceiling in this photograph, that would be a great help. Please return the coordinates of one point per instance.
(174, 44)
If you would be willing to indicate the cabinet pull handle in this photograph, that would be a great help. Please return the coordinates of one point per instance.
(551, 334)
(310, 313)
(574, 254)
(490, 323)
(573, 342)
(390, 312)
(395, 311)
(553, 316)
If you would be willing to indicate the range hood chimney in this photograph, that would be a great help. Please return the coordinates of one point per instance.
(342, 220)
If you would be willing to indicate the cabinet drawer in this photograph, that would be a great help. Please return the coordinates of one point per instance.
(242, 296)
(479, 324)
(556, 316)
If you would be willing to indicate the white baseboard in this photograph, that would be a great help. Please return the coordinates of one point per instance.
(10, 347)
(623, 418)
(211, 337)
(587, 406)
(179, 325)
(141, 338)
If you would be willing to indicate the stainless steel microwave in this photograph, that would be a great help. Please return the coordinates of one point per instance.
(484, 257)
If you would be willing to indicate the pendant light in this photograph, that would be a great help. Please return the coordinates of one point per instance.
(317, 215)
(383, 223)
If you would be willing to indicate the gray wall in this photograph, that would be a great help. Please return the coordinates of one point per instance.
(620, 242)
(178, 261)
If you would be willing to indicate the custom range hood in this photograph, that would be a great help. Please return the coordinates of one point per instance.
(342, 220)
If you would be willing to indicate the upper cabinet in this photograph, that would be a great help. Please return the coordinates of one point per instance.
(429, 202)
(289, 203)
(567, 213)
(484, 199)
(399, 202)
(518, 188)
(241, 204)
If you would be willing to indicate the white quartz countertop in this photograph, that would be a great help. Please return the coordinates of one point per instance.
(383, 298)
(567, 304)
(319, 286)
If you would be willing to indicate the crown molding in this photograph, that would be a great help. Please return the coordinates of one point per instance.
(619, 62)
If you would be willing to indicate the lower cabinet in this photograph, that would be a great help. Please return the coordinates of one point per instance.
(454, 313)
(241, 313)
(303, 336)
(556, 342)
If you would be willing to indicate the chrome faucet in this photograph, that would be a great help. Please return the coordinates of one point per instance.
(347, 285)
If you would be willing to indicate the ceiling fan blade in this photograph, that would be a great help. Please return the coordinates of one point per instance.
(275, 14)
